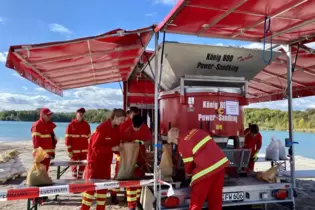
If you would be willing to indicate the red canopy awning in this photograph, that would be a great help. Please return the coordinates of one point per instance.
(291, 20)
(270, 84)
(58, 66)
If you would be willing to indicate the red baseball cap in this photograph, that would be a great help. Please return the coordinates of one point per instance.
(46, 111)
(82, 110)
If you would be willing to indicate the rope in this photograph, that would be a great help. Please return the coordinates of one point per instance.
(266, 31)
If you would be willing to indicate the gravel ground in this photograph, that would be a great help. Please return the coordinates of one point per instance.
(304, 201)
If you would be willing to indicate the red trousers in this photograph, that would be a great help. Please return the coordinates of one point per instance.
(133, 195)
(46, 162)
(209, 189)
(98, 195)
(251, 165)
(77, 171)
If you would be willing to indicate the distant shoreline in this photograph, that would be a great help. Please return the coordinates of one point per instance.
(303, 130)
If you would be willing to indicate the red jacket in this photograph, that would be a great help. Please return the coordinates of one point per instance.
(141, 136)
(124, 126)
(77, 135)
(43, 136)
(246, 131)
(253, 142)
(100, 153)
(202, 157)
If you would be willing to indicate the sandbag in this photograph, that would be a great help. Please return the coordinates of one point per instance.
(272, 151)
(166, 164)
(270, 175)
(5, 166)
(8, 155)
(37, 175)
(19, 166)
(128, 158)
(282, 150)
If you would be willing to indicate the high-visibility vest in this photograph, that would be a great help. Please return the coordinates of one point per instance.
(202, 157)
(77, 135)
(43, 136)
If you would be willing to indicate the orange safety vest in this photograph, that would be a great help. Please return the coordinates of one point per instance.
(202, 157)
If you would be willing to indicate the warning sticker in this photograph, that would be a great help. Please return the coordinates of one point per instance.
(20, 194)
(54, 190)
(81, 187)
(107, 185)
(129, 183)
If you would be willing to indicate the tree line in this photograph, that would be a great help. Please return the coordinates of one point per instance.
(92, 116)
(266, 119)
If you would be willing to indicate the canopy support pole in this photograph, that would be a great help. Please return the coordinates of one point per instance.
(287, 49)
(156, 119)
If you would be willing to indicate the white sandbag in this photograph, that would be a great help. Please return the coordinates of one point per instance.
(282, 151)
(19, 167)
(272, 151)
(4, 175)
(5, 166)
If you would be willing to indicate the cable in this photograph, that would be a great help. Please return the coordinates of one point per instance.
(146, 56)
(162, 57)
(266, 30)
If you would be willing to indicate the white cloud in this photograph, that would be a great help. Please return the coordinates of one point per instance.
(17, 75)
(57, 28)
(298, 104)
(25, 88)
(89, 98)
(311, 45)
(166, 2)
(40, 89)
(150, 14)
(3, 57)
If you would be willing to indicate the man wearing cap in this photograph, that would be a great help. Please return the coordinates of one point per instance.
(77, 134)
(43, 135)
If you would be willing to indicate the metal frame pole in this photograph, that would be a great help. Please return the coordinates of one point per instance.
(290, 112)
(156, 108)
(287, 49)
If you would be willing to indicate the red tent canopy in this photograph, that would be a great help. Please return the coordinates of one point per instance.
(291, 20)
(58, 66)
(270, 84)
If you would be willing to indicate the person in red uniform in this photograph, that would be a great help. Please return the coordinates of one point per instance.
(127, 124)
(204, 162)
(253, 141)
(43, 135)
(77, 135)
(141, 134)
(247, 130)
(104, 140)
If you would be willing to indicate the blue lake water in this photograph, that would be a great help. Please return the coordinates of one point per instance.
(19, 131)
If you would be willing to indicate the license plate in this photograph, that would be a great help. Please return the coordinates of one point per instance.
(234, 196)
(226, 197)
